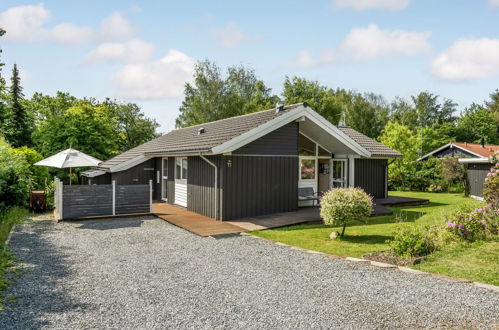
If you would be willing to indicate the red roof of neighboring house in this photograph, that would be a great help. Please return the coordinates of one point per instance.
(486, 151)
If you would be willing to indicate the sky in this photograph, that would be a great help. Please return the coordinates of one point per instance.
(145, 51)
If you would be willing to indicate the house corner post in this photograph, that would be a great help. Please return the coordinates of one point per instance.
(114, 196)
(150, 196)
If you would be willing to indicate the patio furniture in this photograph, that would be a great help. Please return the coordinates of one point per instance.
(308, 194)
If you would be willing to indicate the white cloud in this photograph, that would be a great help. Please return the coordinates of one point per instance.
(468, 59)
(29, 24)
(394, 5)
(159, 79)
(230, 36)
(24, 23)
(306, 60)
(116, 27)
(132, 51)
(371, 42)
(68, 33)
(494, 3)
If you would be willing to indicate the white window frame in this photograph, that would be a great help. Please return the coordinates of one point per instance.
(181, 176)
(345, 172)
(164, 178)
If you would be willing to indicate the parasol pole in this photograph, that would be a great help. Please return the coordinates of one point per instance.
(70, 176)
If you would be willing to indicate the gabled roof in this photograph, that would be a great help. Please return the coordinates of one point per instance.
(376, 148)
(475, 149)
(226, 135)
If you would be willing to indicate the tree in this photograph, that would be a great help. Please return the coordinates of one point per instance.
(493, 107)
(134, 127)
(3, 105)
(430, 112)
(319, 97)
(477, 122)
(213, 97)
(402, 139)
(19, 124)
(343, 205)
(367, 114)
(402, 112)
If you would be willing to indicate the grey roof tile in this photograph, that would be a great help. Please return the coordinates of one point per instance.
(376, 148)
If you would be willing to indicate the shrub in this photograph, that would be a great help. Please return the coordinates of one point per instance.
(14, 177)
(413, 241)
(469, 226)
(491, 187)
(342, 205)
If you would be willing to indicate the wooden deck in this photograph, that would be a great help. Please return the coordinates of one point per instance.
(205, 226)
(193, 222)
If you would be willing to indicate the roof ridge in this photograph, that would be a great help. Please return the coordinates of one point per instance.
(244, 115)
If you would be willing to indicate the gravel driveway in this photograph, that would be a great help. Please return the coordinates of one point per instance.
(143, 273)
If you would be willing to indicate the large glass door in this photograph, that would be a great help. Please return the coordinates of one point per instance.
(164, 179)
(338, 175)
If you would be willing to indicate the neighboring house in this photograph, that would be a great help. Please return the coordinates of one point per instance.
(478, 160)
(252, 164)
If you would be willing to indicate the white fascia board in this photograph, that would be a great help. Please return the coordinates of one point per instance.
(449, 145)
(336, 132)
(258, 132)
(284, 119)
(128, 163)
(475, 160)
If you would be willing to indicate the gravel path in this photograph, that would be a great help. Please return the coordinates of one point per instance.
(143, 273)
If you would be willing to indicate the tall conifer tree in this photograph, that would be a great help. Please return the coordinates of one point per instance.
(18, 124)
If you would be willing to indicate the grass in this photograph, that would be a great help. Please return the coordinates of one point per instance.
(8, 218)
(478, 261)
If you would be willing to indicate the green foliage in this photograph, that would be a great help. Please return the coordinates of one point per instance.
(454, 173)
(38, 176)
(477, 122)
(319, 97)
(493, 107)
(18, 126)
(413, 241)
(8, 218)
(400, 138)
(343, 205)
(98, 129)
(367, 114)
(213, 97)
(491, 185)
(430, 112)
(14, 176)
(426, 176)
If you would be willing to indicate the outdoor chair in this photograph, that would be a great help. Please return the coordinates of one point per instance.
(308, 194)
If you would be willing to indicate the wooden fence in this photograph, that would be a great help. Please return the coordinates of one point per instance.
(80, 201)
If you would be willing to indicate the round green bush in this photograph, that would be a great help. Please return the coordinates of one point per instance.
(413, 241)
(341, 205)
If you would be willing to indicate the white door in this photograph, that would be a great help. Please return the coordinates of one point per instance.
(164, 179)
(338, 173)
(181, 181)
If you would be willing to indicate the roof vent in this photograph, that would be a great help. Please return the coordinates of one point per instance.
(482, 142)
(279, 107)
(201, 131)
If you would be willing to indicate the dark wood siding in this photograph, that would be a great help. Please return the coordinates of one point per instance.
(171, 180)
(258, 185)
(201, 194)
(476, 177)
(139, 174)
(101, 179)
(370, 175)
(282, 141)
(453, 152)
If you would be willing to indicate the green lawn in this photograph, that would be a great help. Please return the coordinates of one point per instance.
(361, 239)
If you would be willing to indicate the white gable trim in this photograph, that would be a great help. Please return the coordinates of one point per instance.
(449, 145)
(284, 119)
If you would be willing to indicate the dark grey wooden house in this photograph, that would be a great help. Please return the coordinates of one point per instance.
(476, 157)
(252, 164)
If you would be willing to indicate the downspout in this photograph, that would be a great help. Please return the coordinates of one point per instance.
(216, 182)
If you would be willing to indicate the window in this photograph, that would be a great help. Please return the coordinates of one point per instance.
(181, 168)
(306, 147)
(307, 169)
(184, 168)
(164, 179)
